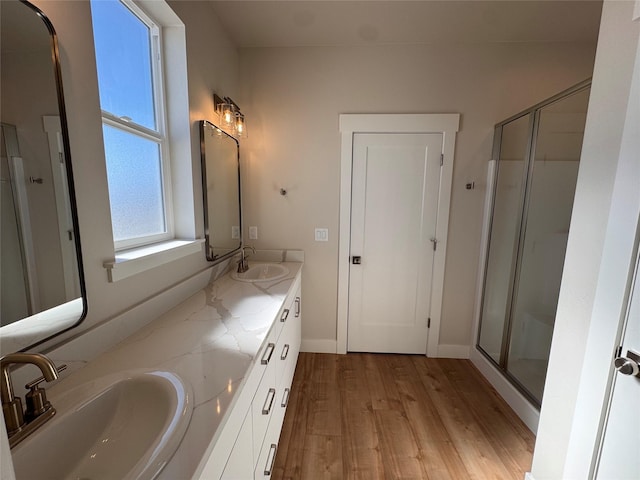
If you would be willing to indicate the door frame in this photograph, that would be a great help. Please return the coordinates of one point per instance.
(350, 124)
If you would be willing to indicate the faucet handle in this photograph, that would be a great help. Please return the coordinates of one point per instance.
(36, 403)
(36, 399)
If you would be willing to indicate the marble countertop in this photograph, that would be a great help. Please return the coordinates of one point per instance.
(210, 340)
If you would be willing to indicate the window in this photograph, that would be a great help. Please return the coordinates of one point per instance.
(129, 66)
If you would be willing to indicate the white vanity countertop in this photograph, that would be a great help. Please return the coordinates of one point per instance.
(209, 340)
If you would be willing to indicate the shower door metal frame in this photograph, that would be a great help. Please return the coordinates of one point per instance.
(521, 227)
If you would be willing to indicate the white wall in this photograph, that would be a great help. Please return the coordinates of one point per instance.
(212, 65)
(577, 312)
(292, 98)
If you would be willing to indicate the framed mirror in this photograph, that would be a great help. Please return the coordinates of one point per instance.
(220, 155)
(42, 290)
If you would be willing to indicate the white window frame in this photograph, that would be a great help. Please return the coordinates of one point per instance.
(160, 136)
(181, 199)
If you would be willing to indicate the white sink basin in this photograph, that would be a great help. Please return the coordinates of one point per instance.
(124, 426)
(262, 272)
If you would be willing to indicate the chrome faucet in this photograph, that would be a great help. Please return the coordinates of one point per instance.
(243, 266)
(18, 422)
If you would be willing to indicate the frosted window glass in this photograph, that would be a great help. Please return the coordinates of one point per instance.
(123, 58)
(134, 174)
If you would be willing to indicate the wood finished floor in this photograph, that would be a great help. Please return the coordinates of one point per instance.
(366, 416)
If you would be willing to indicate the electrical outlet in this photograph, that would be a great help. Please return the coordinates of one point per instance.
(322, 235)
(253, 233)
(235, 232)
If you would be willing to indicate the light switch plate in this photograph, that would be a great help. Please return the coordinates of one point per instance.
(253, 233)
(322, 235)
(235, 232)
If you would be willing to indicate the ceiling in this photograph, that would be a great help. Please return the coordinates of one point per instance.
(294, 23)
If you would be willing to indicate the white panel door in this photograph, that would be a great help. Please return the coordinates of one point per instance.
(620, 451)
(394, 205)
(620, 448)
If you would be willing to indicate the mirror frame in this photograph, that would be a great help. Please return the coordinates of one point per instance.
(57, 73)
(203, 163)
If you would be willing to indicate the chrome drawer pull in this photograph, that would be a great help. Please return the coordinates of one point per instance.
(271, 459)
(284, 316)
(285, 352)
(285, 398)
(297, 307)
(266, 410)
(268, 353)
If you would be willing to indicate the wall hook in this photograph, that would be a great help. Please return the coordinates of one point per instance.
(283, 192)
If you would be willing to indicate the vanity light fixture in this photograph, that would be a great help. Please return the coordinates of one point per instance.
(231, 118)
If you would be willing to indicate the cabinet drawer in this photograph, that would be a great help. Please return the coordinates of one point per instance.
(290, 310)
(283, 317)
(284, 352)
(289, 347)
(266, 461)
(264, 402)
(287, 350)
(240, 463)
(284, 395)
(267, 457)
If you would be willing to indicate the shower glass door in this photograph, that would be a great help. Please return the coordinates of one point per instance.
(552, 184)
(537, 156)
(510, 177)
(14, 285)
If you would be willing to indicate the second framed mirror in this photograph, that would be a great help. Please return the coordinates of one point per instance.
(220, 154)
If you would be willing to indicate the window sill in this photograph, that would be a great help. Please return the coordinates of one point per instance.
(138, 260)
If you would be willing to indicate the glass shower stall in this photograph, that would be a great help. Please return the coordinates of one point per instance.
(532, 183)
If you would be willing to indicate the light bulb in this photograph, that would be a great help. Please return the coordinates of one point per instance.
(241, 127)
(227, 115)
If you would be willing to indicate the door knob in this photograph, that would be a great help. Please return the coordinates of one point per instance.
(626, 365)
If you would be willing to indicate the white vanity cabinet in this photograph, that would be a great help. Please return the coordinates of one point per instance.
(287, 349)
(247, 445)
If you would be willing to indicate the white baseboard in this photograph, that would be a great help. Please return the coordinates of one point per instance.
(518, 403)
(528, 476)
(453, 351)
(311, 345)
